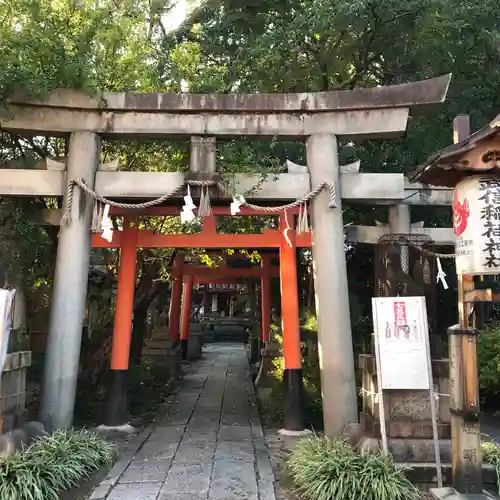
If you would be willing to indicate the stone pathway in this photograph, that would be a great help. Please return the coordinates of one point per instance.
(208, 445)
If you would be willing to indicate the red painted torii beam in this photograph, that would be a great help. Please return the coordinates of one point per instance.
(174, 210)
(230, 272)
(270, 238)
(208, 238)
(208, 280)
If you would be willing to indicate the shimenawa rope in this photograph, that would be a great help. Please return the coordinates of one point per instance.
(66, 217)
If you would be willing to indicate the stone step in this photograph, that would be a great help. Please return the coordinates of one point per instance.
(159, 344)
(160, 336)
(423, 474)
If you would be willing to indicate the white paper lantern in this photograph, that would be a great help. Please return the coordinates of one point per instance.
(476, 224)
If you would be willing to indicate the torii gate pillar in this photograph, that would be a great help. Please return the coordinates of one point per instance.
(336, 357)
(62, 358)
(174, 315)
(186, 315)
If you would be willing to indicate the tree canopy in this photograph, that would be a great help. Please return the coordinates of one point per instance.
(245, 46)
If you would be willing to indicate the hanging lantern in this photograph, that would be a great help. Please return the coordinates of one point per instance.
(476, 224)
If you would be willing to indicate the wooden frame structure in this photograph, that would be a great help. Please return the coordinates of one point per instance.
(184, 276)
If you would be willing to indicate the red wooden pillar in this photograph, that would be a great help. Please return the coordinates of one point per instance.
(122, 330)
(292, 374)
(174, 315)
(265, 299)
(186, 314)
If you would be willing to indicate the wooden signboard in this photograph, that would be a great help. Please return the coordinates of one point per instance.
(402, 355)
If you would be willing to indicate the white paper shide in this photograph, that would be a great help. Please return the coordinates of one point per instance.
(476, 224)
(400, 325)
(6, 309)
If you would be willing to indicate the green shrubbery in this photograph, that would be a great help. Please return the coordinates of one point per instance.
(325, 469)
(491, 455)
(52, 464)
(312, 405)
(488, 354)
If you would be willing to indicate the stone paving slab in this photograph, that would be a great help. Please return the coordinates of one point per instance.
(207, 442)
(131, 491)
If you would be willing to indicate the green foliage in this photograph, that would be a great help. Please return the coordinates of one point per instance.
(311, 403)
(491, 455)
(52, 464)
(488, 354)
(310, 323)
(326, 469)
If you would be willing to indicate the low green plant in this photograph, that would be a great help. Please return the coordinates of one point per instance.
(53, 463)
(488, 355)
(491, 454)
(330, 469)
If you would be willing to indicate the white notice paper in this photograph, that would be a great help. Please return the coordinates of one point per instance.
(400, 327)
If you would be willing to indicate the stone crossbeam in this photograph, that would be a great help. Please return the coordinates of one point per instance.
(362, 188)
(371, 234)
(420, 194)
(414, 193)
(368, 113)
(376, 123)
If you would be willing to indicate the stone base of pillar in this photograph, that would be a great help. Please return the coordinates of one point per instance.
(194, 346)
(297, 434)
(116, 406)
(263, 381)
(158, 346)
(164, 351)
(292, 400)
(110, 430)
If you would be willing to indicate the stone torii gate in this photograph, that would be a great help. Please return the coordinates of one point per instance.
(400, 212)
(317, 118)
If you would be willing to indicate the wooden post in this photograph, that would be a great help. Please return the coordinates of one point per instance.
(292, 374)
(464, 391)
(175, 298)
(122, 329)
(186, 315)
(265, 299)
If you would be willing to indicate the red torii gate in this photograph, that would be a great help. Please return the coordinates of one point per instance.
(131, 238)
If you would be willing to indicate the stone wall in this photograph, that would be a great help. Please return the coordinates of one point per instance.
(408, 413)
(13, 390)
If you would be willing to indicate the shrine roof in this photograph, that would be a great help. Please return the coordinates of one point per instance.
(404, 95)
(452, 164)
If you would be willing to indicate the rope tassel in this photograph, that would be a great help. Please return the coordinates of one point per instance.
(303, 220)
(187, 210)
(204, 210)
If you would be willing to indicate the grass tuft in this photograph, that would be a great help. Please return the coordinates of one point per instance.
(327, 469)
(53, 463)
(491, 455)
